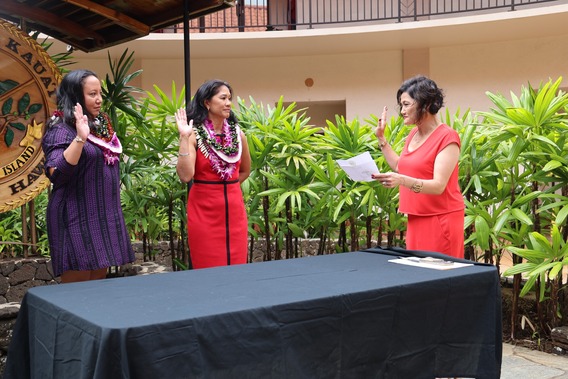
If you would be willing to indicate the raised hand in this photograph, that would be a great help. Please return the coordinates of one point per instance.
(81, 122)
(184, 128)
(380, 131)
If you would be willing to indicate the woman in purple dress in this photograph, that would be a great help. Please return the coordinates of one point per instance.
(85, 225)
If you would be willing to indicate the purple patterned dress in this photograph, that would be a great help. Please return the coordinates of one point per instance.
(85, 224)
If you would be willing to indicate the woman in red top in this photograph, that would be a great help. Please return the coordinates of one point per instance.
(426, 171)
(213, 152)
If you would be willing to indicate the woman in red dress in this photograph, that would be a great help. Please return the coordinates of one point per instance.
(214, 153)
(426, 171)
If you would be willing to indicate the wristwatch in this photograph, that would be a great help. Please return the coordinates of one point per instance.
(79, 140)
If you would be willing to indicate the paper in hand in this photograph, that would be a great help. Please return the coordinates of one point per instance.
(359, 168)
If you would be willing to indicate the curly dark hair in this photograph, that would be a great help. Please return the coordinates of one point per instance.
(197, 110)
(429, 98)
(70, 92)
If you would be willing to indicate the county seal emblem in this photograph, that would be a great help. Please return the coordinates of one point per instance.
(28, 82)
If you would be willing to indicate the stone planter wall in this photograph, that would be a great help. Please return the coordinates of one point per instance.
(17, 276)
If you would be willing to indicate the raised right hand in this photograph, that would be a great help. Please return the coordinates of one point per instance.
(81, 122)
(184, 128)
(380, 131)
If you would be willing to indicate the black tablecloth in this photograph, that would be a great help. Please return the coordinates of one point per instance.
(351, 315)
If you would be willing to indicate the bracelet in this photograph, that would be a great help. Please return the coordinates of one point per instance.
(417, 187)
(382, 144)
(79, 140)
(183, 154)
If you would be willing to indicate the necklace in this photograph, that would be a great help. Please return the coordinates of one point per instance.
(228, 144)
(103, 135)
(101, 127)
(222, 151)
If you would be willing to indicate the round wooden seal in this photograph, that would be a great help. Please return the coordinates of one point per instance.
(28, 82)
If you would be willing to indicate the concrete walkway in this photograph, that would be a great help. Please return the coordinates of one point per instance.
(522, 363)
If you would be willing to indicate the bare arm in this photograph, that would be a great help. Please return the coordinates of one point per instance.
(444, 165)
(390, 155)
(185, 166)
(446, 161)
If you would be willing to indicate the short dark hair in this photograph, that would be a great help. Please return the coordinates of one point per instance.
(429, 98)
(70, 92)
(197, 110)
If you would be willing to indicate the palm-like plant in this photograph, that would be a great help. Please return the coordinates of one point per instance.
(117, 93)
(525, 131)
(153, 142)
(545, 258)
(290, 176)
(344, 140)
(61, 60)
(261, 126)
(328, 181)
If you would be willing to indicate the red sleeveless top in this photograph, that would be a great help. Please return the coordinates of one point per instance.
(420, 164)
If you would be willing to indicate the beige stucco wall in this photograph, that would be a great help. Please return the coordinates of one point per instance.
(467, 72)
(367, 86)
(365, 65)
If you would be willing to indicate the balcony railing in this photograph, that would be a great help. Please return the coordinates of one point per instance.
(266, 15)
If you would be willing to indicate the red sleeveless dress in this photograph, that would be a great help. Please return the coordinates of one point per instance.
(435, 222)
(216, 218)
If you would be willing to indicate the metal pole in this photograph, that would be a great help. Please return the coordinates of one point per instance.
(186, 63)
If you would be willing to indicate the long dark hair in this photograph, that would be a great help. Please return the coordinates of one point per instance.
(429, 98)
(70, 92)
(197, 110)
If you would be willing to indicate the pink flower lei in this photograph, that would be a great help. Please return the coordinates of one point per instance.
(103, 135)
(111, 149)
(223, 151)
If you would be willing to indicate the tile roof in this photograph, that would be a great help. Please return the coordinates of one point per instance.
(227, 21)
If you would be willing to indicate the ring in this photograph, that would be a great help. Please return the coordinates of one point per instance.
(384, 183)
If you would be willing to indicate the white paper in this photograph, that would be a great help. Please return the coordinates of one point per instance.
(359, 168)
(432, 263)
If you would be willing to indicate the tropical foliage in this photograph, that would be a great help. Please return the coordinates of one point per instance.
(513, 173)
